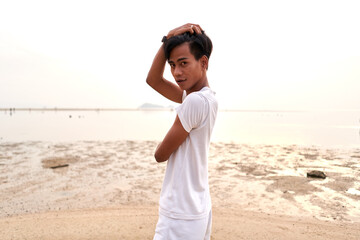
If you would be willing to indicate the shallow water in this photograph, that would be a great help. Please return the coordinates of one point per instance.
(322, 128)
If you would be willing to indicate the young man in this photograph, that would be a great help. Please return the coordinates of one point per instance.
(185, 204)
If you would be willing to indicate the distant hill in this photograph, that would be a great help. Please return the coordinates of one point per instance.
(154, 106)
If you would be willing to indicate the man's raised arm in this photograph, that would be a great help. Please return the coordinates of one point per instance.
(156, 80)
(155, 76)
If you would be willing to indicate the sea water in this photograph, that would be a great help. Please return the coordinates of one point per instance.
(323, 128)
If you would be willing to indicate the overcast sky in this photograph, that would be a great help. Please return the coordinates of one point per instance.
(267, 54)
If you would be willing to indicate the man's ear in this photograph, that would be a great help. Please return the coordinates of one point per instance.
(204, 62)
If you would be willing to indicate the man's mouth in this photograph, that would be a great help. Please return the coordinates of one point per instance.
(180, 80)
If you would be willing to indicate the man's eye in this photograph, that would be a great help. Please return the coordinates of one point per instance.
(183, 63)
(172, 65)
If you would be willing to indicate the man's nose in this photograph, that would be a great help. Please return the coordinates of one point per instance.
(177, 71)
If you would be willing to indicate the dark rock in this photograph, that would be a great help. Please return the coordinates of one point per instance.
(59, 166)
(316, 174)
(59, 162)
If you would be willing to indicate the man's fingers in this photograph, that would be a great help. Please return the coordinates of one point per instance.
(197, 29)
(195, 26)
(189, 27)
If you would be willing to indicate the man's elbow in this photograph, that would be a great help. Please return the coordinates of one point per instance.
(150, 81)
(153, 81)
(160, 157)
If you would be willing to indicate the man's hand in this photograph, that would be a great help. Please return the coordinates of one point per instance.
(189, 27)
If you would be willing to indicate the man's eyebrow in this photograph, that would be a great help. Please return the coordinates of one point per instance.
(180, 59)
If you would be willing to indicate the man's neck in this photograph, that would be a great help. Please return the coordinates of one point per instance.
(201, 84)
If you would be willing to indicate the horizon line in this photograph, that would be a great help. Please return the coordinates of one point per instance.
(158, 109)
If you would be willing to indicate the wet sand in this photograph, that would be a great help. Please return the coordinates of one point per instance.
(110, 190)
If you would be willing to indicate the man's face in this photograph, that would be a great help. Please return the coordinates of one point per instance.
(187, 71)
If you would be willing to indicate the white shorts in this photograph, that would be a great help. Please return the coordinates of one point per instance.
(176, 229)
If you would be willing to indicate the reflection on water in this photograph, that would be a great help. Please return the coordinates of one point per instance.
(326, 128)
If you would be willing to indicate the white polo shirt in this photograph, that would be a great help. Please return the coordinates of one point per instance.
(185, 192)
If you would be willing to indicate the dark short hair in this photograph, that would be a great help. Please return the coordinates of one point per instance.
(199, 44)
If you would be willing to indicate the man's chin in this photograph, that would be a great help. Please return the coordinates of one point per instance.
(182, 86)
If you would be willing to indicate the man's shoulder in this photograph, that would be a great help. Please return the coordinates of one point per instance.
(207, 95)
(200, 99)
(194, 98)
(203, 94)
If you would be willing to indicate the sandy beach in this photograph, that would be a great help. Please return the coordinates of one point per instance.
(110, 190)
(138, 222)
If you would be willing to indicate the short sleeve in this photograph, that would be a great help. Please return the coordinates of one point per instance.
(191, 111)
